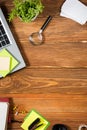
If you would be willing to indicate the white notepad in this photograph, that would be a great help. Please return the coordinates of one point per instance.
(4, 63)
(75, 10)
(3, 115)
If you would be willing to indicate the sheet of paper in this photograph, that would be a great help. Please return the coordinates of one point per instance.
(80, 21)
(4, 106)
(13, 63)
(4, 63)
(75, 10)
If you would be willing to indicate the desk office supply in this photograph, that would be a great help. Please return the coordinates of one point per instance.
(36, 38)
(74, 10)
(34, 118)
(4, 107)
(4, 63)
(7, 42)
(13, 63)
(6, 100)
(82, 126)
(35, 124)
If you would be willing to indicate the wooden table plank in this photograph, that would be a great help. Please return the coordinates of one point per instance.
(65, 46)
(47, 80)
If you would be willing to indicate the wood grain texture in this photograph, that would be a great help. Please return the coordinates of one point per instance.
(68, 109)
(55, 79)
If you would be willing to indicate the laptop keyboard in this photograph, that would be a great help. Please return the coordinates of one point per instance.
(4, 41)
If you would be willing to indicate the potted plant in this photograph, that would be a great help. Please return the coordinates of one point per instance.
(27, 10)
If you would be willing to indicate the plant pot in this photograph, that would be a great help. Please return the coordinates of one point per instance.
(33, 19)
(27, 10)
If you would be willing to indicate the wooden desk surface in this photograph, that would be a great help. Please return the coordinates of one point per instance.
(55, 79)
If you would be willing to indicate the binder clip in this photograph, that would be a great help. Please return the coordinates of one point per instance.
(35, 124)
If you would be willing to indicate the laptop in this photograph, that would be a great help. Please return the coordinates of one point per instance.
(8, 42)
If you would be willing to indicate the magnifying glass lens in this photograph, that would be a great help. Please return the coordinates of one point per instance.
(36, 38)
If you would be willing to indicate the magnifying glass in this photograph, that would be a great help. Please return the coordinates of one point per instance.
(81, 127)
(36, 38)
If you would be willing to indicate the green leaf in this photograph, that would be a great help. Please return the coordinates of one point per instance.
(26, 9)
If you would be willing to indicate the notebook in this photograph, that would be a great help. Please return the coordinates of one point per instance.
(7, 100)
(4, 107)
(75, 10)
(8, 42)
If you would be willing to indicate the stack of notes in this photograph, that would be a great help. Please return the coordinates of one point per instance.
(75, 10)
(35, 121)
(7, 62)
(7, 101)
(4, 108)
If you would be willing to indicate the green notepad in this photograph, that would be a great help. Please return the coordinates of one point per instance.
(13, 62)
(31, 117)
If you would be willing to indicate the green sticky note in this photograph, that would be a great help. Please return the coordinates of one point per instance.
(13, 62)
(32, 116)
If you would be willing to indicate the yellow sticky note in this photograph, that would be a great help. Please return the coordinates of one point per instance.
(13, 61)
(31, 117)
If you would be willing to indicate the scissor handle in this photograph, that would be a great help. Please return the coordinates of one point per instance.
(45, 24)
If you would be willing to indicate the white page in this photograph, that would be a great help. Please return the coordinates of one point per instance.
(75, 19)
(4, 63)
(75, 10)
(3, 115)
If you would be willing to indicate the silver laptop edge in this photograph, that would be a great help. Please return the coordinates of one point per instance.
(13, 48)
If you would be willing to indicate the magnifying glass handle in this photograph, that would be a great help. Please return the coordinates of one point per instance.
(45, 24)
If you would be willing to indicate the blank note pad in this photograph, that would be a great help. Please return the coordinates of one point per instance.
(75, 10)
(3, 115)
(4, 63)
